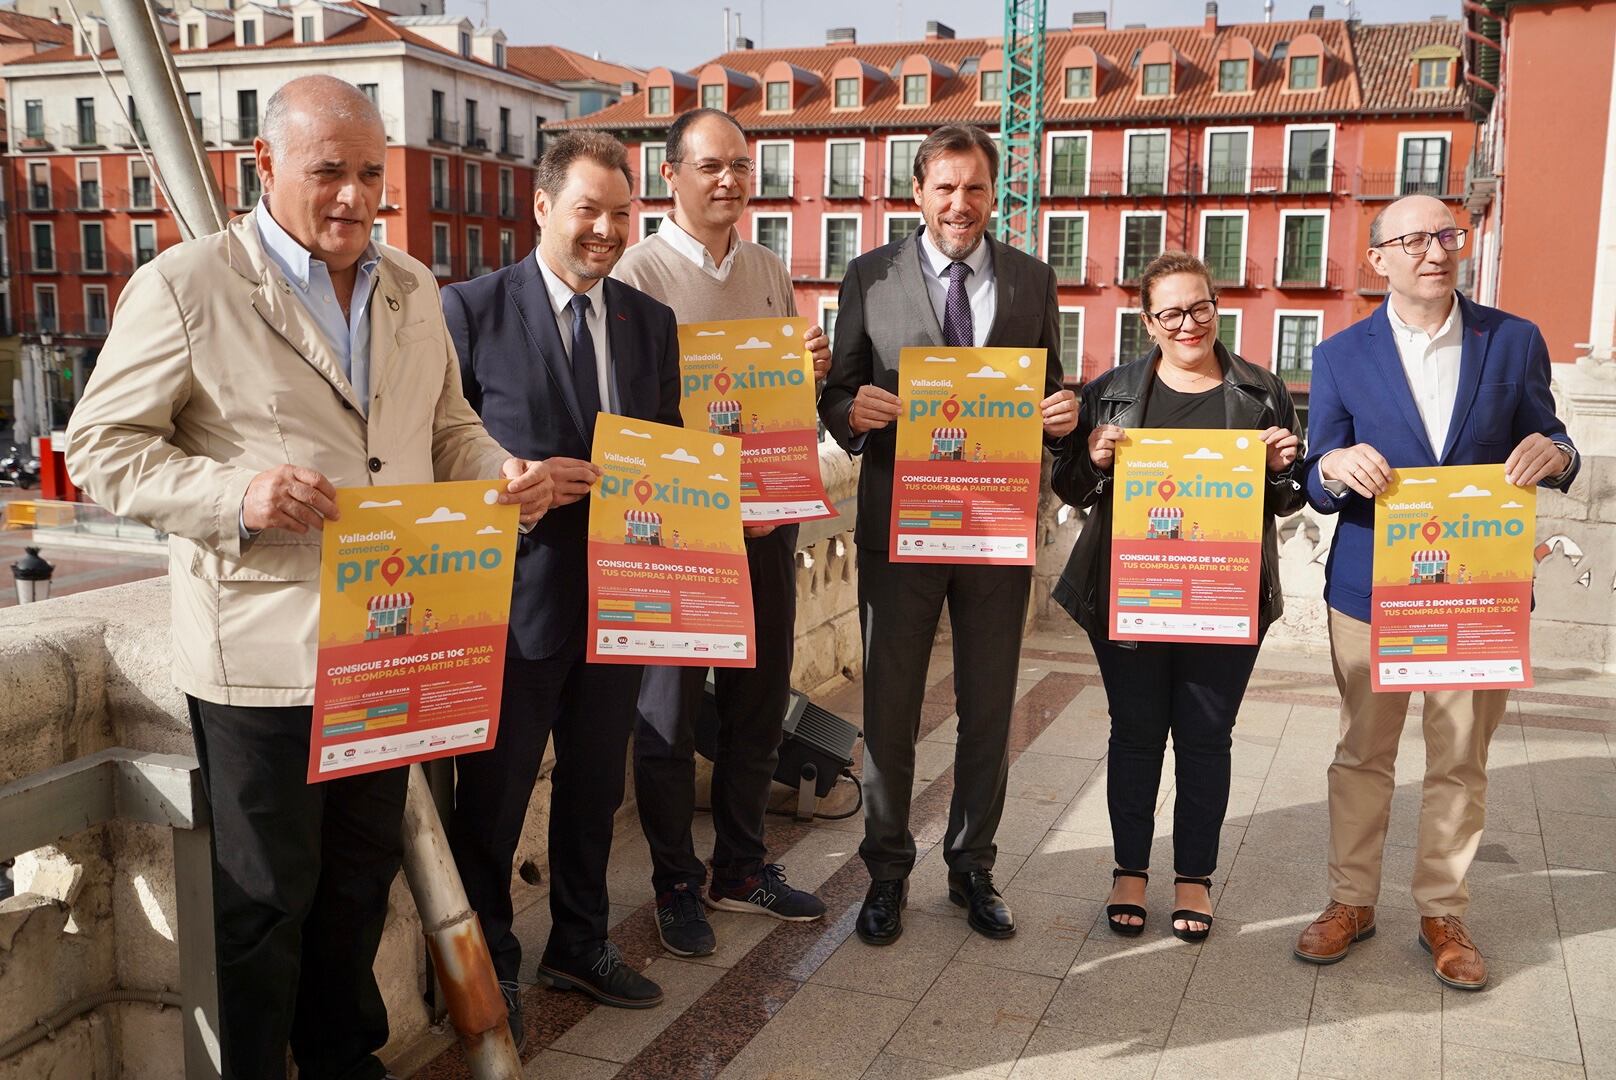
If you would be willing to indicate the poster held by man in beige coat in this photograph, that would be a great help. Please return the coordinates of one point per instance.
(246, 376)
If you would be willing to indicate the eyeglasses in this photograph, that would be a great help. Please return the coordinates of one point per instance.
(1418, 243)
(1172, 318)
(712, 168)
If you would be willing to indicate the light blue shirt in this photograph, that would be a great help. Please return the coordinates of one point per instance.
(348, 334)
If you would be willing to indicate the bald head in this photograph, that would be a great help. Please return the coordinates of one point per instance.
(1411, 213)
(317, 102)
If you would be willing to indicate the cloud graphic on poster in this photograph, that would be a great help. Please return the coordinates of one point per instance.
(369, 505)
(790, 356)
(720, 477)
(754, 343)
(709, 333)
(939, 360)
(489, 530)
(1417, 480)
(1512, 505)
(1155, 442)
(1241, 468)
(681, 454)
(1203, 454)
(987, 371)
(1025, 389)
(634, 434)
(441, 516)
(1470, 491)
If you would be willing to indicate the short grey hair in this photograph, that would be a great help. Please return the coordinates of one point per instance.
(322, 96)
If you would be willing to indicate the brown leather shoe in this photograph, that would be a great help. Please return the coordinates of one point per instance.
(1457, 960)
(1328, 937)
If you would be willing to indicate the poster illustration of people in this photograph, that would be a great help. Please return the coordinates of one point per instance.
(970, 441)
(415, 597)
(668, 579)
(1186, 535)
(752, 378)
(1451, 603)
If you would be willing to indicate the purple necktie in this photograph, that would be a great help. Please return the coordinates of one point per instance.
(958, 330)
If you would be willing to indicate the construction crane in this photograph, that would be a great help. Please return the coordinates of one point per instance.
(1021, 123)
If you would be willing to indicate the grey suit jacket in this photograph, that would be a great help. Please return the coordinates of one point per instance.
(884, 307)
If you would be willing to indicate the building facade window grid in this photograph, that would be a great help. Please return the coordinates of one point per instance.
(1304, 73)
(1308, 159)
(845, 175)
(1423, 165)
(1071, 339)
(1147, 162)
(1133, 340)
(1233, 76)
(1223, 246)
(777, 96)
(773, 231)
(901, 226)
(1228, 162)
(1302, 248)
(653, 184)
(1296, 333)
(1142, 239)
(847, 95)
(774, 169)
(1068, 164)
(901, 166)
(1156, 80)
(914, 89)
(990, 87)
(1065, 245)
(841, 244)
(712, 96)
(1079, 83)
(659, 100)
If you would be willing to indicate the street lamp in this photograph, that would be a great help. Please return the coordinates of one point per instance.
(33, 576)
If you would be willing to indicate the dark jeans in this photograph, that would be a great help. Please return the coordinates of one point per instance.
(301, 874)
(1194, 692)
(588, 708)
(751, 705)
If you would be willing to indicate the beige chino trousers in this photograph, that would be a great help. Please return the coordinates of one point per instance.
(1458, 727)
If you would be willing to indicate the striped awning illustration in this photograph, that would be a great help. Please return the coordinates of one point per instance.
(390, 601)
(1430, 555)
(1167, 512)
(724, 406)
(948, 433)
(642, 517)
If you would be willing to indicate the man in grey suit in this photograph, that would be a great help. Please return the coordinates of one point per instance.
(948, 285)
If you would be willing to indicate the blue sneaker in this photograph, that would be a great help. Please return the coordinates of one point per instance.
(682, 924)
(765, 893)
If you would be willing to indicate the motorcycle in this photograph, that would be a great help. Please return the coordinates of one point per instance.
(19, 468)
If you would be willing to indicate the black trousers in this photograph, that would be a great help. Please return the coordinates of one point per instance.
(899, 608)
(588, 709)
(1192, 691)
(751, 705)
(301, 874)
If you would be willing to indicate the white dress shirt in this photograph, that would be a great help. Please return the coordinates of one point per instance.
(561, 306)
(1431, 363)
(979, 284)
(690, 248)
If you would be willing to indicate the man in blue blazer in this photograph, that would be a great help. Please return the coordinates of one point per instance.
(1430, 378)
(545, 346)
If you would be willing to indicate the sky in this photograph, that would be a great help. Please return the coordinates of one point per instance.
(684, 33)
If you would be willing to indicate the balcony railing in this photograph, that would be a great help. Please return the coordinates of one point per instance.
(89, 197)
(476, 139)
(847, 186)
(1386, 184)
(39, 197)
(1301, 274)
(1076, 272)
(102, 262)
(444, 133)
(138, 198)
(35, 323)
(442, 266)
(1298, 376)
(43, 261)
(474, 202)
(36, 140)
(440, 198)
(1371, 283)
(241, 130)
(83, 136)
(510, 145)
(477, 268)
(1242, 275)
(1130, 269)
(776, 185)
(508, 206)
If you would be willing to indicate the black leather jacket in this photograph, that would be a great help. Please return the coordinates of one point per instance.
(1255, 399)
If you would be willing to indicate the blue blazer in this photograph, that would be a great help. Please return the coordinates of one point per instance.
(1360, 394)
(517, 376)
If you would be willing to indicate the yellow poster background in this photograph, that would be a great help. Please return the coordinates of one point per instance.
(450, 546)
(1493, 523)
(666, 487)
(990, 391)
(756, 364)
(1214, 477)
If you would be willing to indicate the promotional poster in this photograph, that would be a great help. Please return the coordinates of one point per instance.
(415, 597)
(668, 579)
(752, 378)
(970, 441)
(1186, 535)
(1451, 605)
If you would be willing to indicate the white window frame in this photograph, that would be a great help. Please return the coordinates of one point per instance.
(95, 163)
(33, 250)
(1088, 159)
(1083, 256)
(824, 237)
(1402, 139)
(644, 217)
(448, 184)
(240, 158)
(507, 181)
(134, 248)
(1239, 326)
(503, 233)
(151, 184)
(1082, 333)
(1122, 231)
(774, 216)
(474, 252)
(645, 171)
(1127, 152)
(379, 223)
(790, 96)
(1245, 238)
(50, 185)
(887, 157)
(56, 302)
(791, 167)
(1116, 338)
(1324, 249)
(861, 159)
(442, 228)
(1284, 313)
(1285, 177)
(897, 215)
(1206, 154)
(106, 306)
(106, 252)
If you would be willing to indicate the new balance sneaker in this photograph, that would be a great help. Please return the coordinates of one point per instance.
(682, 924)
(765, 893)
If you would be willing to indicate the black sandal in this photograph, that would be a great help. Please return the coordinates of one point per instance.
(1113, 910)
(1186, 915)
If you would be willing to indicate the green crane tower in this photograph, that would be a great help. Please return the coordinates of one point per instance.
(1021, 123)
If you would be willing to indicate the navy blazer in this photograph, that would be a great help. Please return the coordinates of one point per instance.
(517, 376)
(1360, 394)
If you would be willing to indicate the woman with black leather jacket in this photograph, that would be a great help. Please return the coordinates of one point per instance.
(1192, 691)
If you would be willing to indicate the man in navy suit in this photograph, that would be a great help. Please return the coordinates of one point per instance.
(1430, 378)
(545, 346)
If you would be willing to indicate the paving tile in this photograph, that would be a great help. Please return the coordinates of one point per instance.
(1087, 812)
(1578, 840)
(1045, 778)
(1248, 757)
(1252, 967)
(1460, 1062)
(975, 1016)
(1024, 824)
(1262, 888)
(1363, 1029)
(1299, 834)
(1391, 958)
(1513, 924)
(928, 883)
(813, 859)
(1525, 1009)
(1243, 794)
(737, 934)
(905, 969)
(1071, 864)
(822, 1033)
(1203, 1035)
(1584, 900)
(932, 759)
(552, 1065)
(1566, 788)
(889, 1066)
(619, 1034)
(1060, 1054)
(1121, 991)
(1050, 929)
(1599, 1048)
(1591, 967)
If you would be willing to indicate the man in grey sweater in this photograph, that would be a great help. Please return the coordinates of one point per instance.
(697, 264)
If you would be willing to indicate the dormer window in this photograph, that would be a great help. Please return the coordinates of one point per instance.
(992, 87)
(712, 96)
(1304, 73)
(1156, 81)
(659, 101)
(1281, 50)
(847, 93)
(305, 29)
(193, 36)
(1079, 83)
(1433, 74)
(777, 96)
(1234, 76)
(249, 32)
(914, 89)
(465, 44)
(499, 54)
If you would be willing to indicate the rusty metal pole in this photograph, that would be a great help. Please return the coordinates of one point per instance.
(455, 939)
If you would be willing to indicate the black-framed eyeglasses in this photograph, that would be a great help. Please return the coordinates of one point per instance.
(1418, 243)
(712, 168)
(1172, 318)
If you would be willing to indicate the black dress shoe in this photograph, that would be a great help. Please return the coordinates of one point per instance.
(880, 920)
(986, 912)
(604, 976)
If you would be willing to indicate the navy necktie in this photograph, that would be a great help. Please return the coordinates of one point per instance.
(585, 380)
(959, 331)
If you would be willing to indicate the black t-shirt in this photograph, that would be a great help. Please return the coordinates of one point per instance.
(1169, 408)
